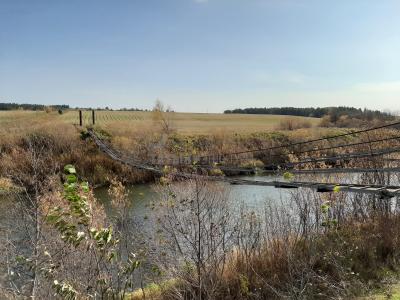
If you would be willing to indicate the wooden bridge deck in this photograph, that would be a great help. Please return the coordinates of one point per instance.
(335, 171)
(381, 190)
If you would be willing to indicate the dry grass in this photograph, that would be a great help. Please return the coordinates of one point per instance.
(390, 292)
(341, 263)
(138, 134)
(132, 122)
(354, 257)
(293, 124)
(20, 131)
(192, 123)
(5, 184)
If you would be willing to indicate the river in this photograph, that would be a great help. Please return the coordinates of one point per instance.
(251, 196)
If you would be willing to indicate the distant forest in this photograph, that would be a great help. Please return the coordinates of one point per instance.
(14, 106)
(317, 112)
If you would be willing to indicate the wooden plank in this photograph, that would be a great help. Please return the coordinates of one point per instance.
(335, 170)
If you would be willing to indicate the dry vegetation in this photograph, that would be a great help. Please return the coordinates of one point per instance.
(59, 143)
(191, 123)
(293, 124)
(314, 246)
(140, 133)
(158, 138)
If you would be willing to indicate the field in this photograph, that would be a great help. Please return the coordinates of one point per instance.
(184, 123)
(190, 123)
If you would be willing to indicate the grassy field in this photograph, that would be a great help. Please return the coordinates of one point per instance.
(138, 134)
(190, 123)
(185, 123)
(13, 123)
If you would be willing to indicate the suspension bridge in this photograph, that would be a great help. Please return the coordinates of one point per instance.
(189, 167)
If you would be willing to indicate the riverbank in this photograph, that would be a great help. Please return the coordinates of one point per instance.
(341, 264)
(311, 249)
(27, 134)
(284, 239)
(155, 292)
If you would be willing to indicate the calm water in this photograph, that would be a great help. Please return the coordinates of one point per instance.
(253, 197)
(143, 195)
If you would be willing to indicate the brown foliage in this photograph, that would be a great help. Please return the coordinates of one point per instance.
(287, 253)
(293, 124)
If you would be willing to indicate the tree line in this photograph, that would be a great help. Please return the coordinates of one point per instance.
(317, 112)
(15, 106)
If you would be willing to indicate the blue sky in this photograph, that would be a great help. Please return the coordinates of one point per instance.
(199, 55)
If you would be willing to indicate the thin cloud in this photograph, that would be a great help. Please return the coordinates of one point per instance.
(282, 77)
(378, 87)
(294, 77)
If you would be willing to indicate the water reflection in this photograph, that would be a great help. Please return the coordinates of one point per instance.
(142, 196)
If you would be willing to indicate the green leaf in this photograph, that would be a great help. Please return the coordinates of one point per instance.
(336, 189)
(288, 176)
(71, 179)
(85, 187)
(69, 169)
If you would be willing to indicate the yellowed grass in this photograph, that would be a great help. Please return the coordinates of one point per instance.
(189, 123)
(5, 184)
(185, 123)
(390, 292)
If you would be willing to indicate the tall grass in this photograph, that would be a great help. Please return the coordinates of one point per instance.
(57, 143)
(312, 246)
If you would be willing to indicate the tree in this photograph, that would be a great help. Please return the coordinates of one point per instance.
(162, 116)
(197, 227)
(77, 252)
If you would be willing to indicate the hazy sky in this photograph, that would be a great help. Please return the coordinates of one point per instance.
(199, 55)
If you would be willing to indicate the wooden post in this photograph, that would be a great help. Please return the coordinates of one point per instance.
(93, 117)
(80, 118)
